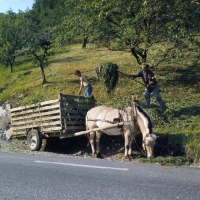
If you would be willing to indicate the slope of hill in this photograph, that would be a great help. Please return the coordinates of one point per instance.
(178, 126)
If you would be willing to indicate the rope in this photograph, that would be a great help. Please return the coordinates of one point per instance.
(139, 147)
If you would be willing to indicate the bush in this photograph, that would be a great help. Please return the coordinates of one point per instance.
(192, 148)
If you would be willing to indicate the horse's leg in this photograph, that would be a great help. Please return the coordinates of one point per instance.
(88, 139)
(98, 136)
(130, 146)
(143, 145)
(92, 136)
(130, 152)
(126, 144)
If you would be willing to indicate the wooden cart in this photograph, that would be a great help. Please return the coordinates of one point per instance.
(60, 118)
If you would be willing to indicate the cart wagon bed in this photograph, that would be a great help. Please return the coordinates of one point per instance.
(60, 118)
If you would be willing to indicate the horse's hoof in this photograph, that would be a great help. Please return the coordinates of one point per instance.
(99, 155)
(127, 158)
(94, 155)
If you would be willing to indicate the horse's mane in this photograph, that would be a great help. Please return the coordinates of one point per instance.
(147, 117)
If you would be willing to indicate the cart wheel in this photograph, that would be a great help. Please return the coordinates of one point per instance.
(34, 140)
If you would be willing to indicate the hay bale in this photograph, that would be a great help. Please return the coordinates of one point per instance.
(107, 72)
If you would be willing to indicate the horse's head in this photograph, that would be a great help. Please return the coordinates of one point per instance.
(148, 144)
(145, 126)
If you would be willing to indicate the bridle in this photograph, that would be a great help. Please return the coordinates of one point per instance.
(144, 151)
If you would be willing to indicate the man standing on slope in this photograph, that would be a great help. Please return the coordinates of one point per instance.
(151, 85)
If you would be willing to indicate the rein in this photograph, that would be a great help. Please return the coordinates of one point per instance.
(142, 151)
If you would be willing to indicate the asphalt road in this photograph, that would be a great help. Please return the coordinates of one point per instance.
(57, 177)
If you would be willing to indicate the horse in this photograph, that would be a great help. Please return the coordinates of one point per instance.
(134, 119)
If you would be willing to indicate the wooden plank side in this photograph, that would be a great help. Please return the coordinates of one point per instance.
(51, 130)
(36, 110)
(27, 126)
(51, 113)
(34, 105)
(78, 98)
(37, 120)
(74, 118)
(66, 114)
(71, 101)
(87, 102)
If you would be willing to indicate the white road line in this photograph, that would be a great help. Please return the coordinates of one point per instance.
(78, 165)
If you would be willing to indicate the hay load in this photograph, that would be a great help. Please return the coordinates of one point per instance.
(107, 72)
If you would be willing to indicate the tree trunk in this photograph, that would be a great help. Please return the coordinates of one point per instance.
(11, 66)
(136, 56)
(84, 42)
(41, 65)
(140, 55)
(43, 74)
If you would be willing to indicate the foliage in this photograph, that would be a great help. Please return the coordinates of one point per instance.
(47, 13)
(178, 149)
(192, 148)
(75, 25)
(169, 160)
(139, 25)
(38, 44)
(12, 36)
(108, 73)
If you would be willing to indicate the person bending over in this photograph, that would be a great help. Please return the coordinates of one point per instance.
(84, 83)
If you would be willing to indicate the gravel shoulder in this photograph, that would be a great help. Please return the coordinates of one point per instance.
(112, 149)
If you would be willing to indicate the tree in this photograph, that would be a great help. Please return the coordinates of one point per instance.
(48, 13)
(139, 25)
(38, 43)
(12, 36)
(79, 21)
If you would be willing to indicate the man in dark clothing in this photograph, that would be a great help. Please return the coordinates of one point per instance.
(151, 85)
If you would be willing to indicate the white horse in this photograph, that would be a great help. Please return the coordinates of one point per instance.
(135, 119)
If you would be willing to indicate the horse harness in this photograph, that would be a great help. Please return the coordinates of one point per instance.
(120, 119)
(120, 127)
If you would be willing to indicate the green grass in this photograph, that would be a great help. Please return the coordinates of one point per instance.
(178, 127)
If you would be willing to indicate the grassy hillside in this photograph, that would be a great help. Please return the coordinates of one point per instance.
(178, 126)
